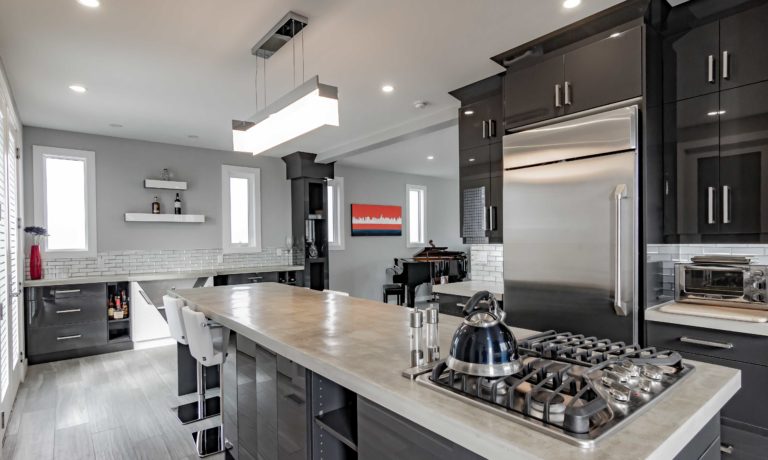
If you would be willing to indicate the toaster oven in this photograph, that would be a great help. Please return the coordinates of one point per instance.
(734, 285)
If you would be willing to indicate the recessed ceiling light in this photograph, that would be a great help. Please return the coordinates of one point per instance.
(615, 34)
(387, 88)
(469, 112)
(116, 125)
(471, 160)
(78, 88)
(89, 3)
(571, 3)
(431, 157)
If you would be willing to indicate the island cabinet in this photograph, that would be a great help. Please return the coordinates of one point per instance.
(598, 73)
(293, 278)
(481, 165)
(744, 423)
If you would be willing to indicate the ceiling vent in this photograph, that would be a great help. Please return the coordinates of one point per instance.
(282, 33)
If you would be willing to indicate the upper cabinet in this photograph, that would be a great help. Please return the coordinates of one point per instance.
(719, 55)
(480, 123)
(602, 72)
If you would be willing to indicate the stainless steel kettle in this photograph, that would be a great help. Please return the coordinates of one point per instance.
(483, 345)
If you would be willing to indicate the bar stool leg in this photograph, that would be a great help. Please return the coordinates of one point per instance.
(204, 407)
(210, 441)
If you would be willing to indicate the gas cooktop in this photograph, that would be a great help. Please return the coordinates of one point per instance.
(576, 388)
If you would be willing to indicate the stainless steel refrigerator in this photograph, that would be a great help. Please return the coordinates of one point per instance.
(570, 225)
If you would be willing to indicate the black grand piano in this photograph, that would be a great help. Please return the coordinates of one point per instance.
(433, 265)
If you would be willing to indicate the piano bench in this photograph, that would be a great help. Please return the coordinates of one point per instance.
(396, 290)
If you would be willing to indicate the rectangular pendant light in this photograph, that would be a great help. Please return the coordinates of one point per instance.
(304, 109)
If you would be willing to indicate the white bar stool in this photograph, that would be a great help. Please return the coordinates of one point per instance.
(202, 408)
(208, 343)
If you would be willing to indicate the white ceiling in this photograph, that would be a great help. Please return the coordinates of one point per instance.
(173, 68)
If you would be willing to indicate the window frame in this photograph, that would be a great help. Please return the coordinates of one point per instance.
(253, 175)
(423, 215)
(337, 185)
(39, 154)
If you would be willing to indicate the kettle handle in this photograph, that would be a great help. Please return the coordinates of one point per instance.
(473, 304)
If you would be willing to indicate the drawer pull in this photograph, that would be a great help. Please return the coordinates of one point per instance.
(69, 337)
(66, 291)
(462, 305)
(255, 279)
(727, 449)
(707, 343)
(146, 299)
(73, 310)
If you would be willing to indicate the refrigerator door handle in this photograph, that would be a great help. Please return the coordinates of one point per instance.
(619, 307)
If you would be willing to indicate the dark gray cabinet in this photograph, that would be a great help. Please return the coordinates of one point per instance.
(384, 435)
(481, 171)
(599, 73)
(716, 166)
(716, 56)
(292, 419)
(480, 123)
(744, 433)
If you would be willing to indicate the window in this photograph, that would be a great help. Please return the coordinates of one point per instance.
(241, 208)
(65, 200)
(416, 212)
(336, 213)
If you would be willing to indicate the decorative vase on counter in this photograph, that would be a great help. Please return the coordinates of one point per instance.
(35, 263)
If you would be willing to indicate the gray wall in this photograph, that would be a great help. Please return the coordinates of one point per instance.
(123, 164)
(359, 269)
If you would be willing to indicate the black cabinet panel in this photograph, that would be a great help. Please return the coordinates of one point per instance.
(266, 404)
(529, 93)
(742, 37)
(60, 338)
(385, 435)
(480, 122)
(741, 444)
(291, 410)
(744, 157)
(691, 151)
(603, 72)
(686, 63)
(496, 198)
(247, 408)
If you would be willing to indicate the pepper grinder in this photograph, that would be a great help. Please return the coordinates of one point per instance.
(433, 335)
(417, 323)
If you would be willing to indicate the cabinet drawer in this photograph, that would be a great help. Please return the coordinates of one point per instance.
(73, 294)
(42, 313)
(742, 444)
(752, 395)
(248, 278)
(59, 338)
(709, 342)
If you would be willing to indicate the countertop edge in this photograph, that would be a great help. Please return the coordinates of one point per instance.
(159, 275)
(740, 327)
(469, 288)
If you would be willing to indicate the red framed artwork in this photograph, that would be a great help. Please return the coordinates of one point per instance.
(376, 220)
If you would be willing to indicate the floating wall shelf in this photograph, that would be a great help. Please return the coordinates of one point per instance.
(176, 218)
(165, 184)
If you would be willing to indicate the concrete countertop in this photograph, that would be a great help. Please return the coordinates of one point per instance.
(158, 276)
(469, 288)
(363, 346)
(742, 327)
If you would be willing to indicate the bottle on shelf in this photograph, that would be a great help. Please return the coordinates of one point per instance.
(118, 308)
(177, 205)
(110, 309)
(124, 303)
(156, 206)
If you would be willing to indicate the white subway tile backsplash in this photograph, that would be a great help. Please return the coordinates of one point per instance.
(163, 261)
(487, 262)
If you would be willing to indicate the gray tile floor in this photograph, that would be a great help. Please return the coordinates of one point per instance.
(112, 406)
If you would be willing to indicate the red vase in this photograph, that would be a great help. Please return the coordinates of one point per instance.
(35, 263)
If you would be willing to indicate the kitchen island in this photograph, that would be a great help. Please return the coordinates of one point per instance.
(363, 346)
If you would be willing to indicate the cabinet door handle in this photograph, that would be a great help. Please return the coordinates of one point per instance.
(567, 92)
(727, 449)
(726, 204)
(462, 305)
(69, 337)
(494, 220)
(558, 104)
(492, 128)
(707, 343)
(73, 310)
(144, 296)
(255, 279)
(711, 68)
(711, 205)
(726, 65)
(66, 291)
(485, 129)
